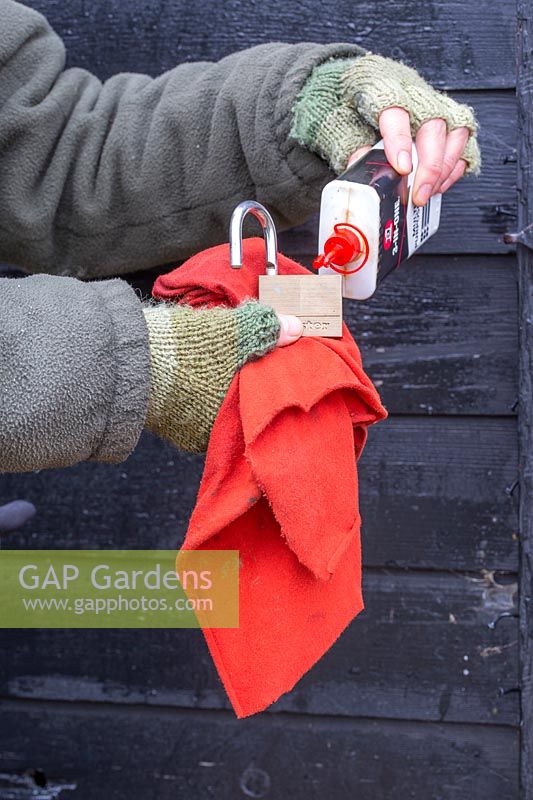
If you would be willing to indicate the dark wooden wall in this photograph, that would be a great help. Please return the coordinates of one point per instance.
(419, 699)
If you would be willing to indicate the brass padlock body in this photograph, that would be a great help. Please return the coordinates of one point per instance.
(315, 299)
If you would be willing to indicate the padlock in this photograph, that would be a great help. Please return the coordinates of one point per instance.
(315, 299)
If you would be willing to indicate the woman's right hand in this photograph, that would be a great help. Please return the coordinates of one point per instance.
(346, 105)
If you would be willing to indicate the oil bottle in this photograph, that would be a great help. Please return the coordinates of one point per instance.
(369, 224)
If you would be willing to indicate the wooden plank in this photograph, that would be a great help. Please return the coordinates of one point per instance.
(454, 44)
(140, 753)
(476, 212)
(440, 336)
(34, 784)
(437, 492)
(424, 649)
(525, 429)
(434, 495)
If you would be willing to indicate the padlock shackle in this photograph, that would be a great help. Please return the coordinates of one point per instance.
(269, 233)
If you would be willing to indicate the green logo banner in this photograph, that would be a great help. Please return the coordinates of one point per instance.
(119, 589)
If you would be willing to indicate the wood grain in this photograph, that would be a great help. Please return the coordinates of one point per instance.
(454, 44)
(525, 425)
(439, 493)
(440, 336)
(142, 753)
(436, 493)
(429, 633)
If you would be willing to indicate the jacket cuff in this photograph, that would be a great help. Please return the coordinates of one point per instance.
(131, 353)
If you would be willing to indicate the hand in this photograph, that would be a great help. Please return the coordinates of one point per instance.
(194, 355)
(439, 153)
(346, 105)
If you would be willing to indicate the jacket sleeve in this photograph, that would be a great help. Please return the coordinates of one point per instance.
(99, 179)
(74, 372)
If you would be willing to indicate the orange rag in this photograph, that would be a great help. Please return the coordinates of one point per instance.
(280, 486)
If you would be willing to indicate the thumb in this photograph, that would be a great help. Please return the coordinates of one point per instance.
(291, 329)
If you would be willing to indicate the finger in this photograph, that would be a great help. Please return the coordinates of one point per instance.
(430, 145)
(357, 154)
(291, 329)
(395, 127)
(455, 145)
(457, 172)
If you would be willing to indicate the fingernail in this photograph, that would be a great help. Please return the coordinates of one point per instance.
(404, 161)
(292, 325)
(423, 194)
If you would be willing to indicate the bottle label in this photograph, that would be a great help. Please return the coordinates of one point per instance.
(420, 224)
(404, 227)
(374, 170)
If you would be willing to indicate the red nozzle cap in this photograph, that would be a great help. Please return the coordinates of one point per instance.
(346, 244)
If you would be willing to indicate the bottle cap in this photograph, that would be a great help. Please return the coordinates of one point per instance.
(347, 244)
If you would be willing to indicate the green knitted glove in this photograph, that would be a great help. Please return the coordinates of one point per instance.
(338, 109)
(194, 355)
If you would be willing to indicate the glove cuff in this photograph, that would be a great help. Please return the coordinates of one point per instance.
(258, 330)
(194, 354)
(323, 122)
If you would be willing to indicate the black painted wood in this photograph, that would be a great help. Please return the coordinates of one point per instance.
(525, 263)
(434, 495)
(34, 784)
(439, 337)
(394, 710)
(140, 753)
(455, 44)
(429, 646)
(476, 212)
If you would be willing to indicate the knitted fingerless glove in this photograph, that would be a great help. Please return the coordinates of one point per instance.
(338, 109)
(194, 355)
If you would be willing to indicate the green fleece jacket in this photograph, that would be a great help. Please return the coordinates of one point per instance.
(101, 179)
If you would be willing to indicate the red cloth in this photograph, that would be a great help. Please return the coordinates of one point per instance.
(280, 486)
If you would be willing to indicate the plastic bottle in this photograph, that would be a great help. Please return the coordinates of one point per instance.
(369, 224)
